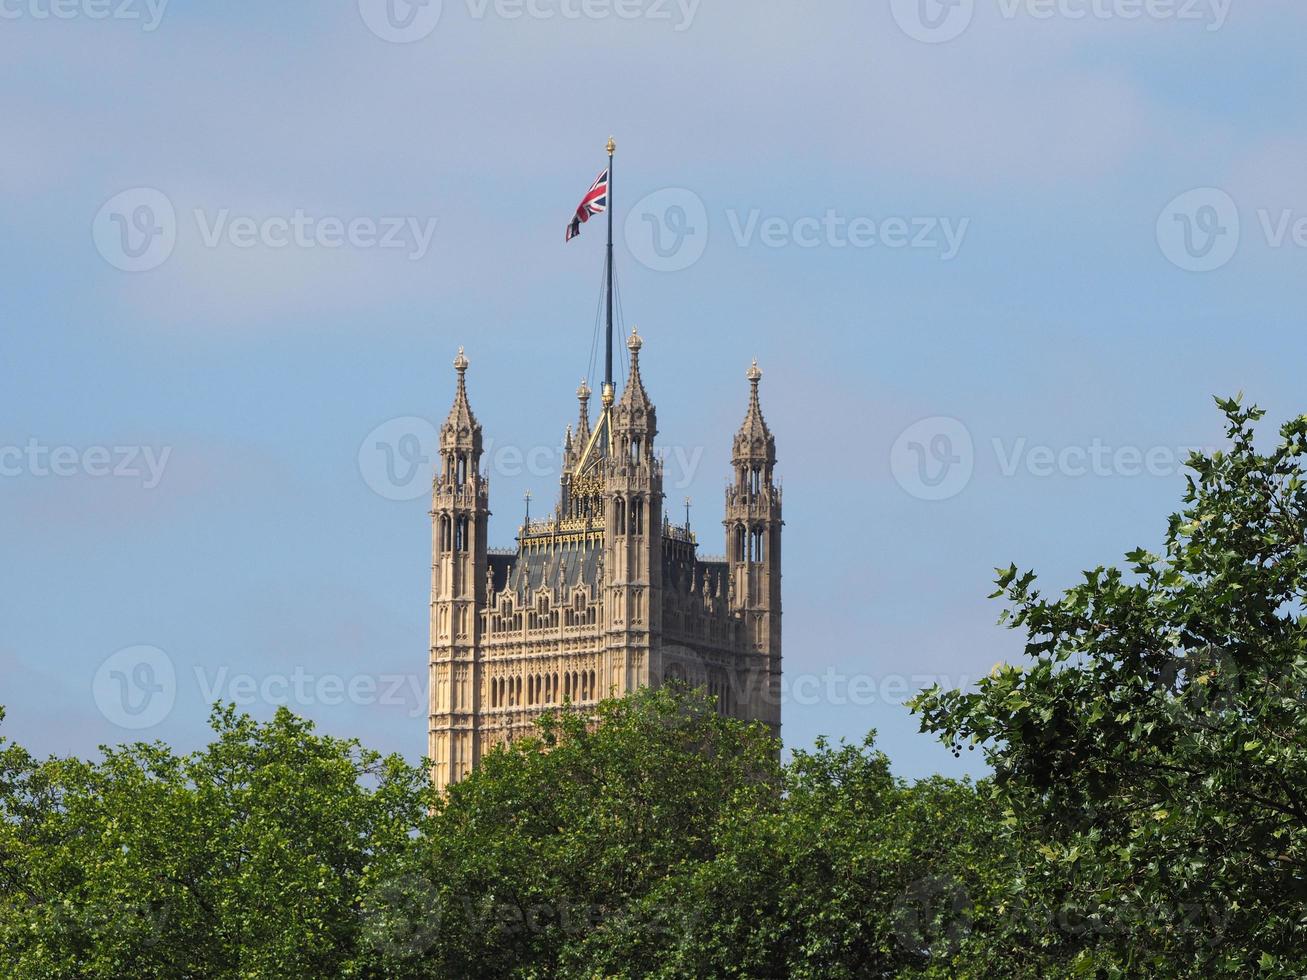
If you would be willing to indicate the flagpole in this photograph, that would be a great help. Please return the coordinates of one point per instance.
(608, 362)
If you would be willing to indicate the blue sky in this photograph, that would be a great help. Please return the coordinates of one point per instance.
(1063, 343)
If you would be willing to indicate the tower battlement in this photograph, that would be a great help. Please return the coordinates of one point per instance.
(606, 594)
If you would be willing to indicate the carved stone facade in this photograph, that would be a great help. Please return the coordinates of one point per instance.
(604, 596)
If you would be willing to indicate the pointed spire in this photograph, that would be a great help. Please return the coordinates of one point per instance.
(635, 396)
(755, 377)
(754, 440)
(634, 419)
(583, 421)
(633, 344)
(461, 428)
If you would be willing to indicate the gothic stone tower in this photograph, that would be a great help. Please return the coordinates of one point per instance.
(753, 535)
(605, 595)
(459, 514)
(633, 496)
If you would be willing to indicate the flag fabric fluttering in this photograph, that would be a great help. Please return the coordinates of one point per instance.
(594, 202)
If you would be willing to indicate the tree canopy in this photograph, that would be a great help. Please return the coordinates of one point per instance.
(1155, 741)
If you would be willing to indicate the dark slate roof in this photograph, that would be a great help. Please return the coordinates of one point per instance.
(678, 573)
(565, 567)
(568, 567)
(501, 566)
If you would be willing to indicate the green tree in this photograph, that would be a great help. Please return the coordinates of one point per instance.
(243, 859)
(555, 837)
(1155, 744)
(22, 800)
(848, 873)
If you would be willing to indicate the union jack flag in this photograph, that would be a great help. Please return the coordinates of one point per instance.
(594, 202)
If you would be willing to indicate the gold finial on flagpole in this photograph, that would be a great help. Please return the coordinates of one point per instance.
(612, 146)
